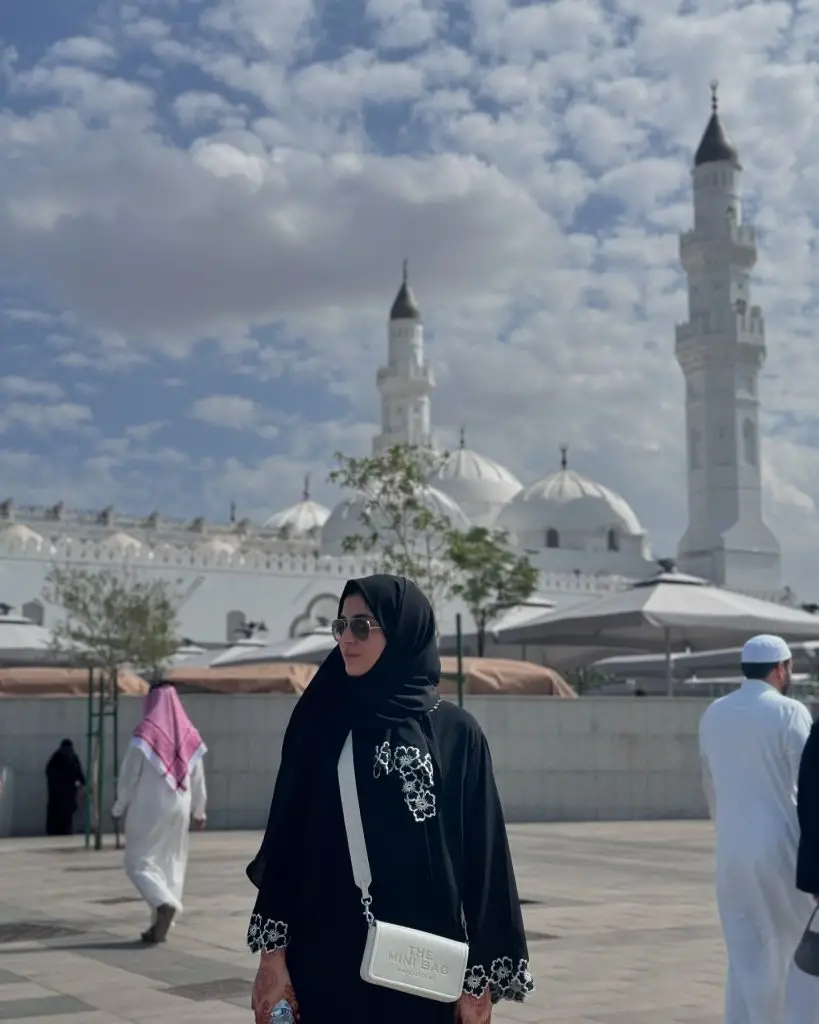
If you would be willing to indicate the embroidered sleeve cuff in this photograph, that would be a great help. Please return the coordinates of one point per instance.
(264, 935)
(503, 979)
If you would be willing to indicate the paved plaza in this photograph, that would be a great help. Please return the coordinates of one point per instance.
(621, 922)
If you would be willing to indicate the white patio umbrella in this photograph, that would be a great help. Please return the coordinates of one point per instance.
(220, 655)
(184, 653)
(18, 633)
(666, 613)
(312, 648)
(23, 641)
(702, 663)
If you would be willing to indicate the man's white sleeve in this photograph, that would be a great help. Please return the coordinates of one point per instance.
(799, 728)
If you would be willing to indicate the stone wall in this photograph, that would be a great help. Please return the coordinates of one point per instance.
(555, 760)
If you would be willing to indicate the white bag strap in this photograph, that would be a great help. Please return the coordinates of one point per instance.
(354, 826)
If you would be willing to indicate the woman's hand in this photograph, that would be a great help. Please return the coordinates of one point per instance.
(271, 986)
(474, 1009)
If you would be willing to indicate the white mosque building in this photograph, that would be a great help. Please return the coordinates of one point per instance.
(583, 537)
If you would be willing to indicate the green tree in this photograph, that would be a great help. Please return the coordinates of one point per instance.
(114, 617)
(110, 618)
(490, 577)
(405, 531)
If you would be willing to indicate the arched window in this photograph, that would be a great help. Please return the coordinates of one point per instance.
(613, 540)
(236, 622)
(552, 538)
(35, 611)
(749, 442)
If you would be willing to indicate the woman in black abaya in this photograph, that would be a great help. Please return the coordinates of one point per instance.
(432, 817)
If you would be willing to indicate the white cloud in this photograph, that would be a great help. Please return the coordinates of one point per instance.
(404, 24)
(234, 412)
(83, 50)
(44, 419)
(198, 108)
(26, 387)
(532, 161)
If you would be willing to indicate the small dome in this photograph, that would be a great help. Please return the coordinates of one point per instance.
(478, 485)
(715, 146)
(568, 505)
(21, 536)
(121, 542)
(405, 306)
(218, 546)
(345, 519)
(302, 520)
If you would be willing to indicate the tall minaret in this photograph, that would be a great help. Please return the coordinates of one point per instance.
(406, 381)
(721, 350)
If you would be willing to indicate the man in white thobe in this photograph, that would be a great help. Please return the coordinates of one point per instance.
(751, 743)
(161, 786)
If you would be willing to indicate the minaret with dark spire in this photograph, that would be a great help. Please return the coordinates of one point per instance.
(406, 381)
(405, 307)
(715, 146)
(721, 349)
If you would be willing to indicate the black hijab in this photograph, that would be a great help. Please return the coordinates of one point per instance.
(399, 689)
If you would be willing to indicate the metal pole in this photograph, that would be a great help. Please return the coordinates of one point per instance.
(459, 648)
(115, 749)
(89, 766)
(100, 760)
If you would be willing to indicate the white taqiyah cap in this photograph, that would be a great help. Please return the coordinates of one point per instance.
(765, 649)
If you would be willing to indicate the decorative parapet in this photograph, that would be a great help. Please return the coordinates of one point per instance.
(289, 560)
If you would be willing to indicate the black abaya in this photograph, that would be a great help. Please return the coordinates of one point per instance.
(807, 806)
(435, 835)
(64, 776)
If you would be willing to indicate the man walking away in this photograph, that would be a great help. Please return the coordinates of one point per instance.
(161, 786)
(751, 744)
(64, 779)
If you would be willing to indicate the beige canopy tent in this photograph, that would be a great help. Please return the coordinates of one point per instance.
(62, 682)
(482, 676)
(494, 676)
(266, 677)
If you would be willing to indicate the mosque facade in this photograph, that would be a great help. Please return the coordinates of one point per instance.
(584, 538)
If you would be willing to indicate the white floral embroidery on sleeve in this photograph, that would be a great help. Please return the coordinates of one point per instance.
(415, 770)
(266, 936)
(503, 979)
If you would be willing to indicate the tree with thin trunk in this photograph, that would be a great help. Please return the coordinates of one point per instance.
(399, 524)
(112, 618)
(490, 576)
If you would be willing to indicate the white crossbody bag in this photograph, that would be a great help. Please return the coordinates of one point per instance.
(419, 963)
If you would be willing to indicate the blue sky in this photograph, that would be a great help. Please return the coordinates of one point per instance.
(204, 206)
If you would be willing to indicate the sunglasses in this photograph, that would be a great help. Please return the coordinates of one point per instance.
(360, 626)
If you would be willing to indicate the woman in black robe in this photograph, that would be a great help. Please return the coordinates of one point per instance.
(432, 817)
(64, 778)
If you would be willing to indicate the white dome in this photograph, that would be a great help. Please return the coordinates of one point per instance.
(122, 543)
(302, 520)
(480, 486)
(218, 546)
(574, 509)
(345, 519)
(21, 537)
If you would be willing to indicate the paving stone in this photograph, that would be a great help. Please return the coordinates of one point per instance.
(46, 1006)
(619, 916)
